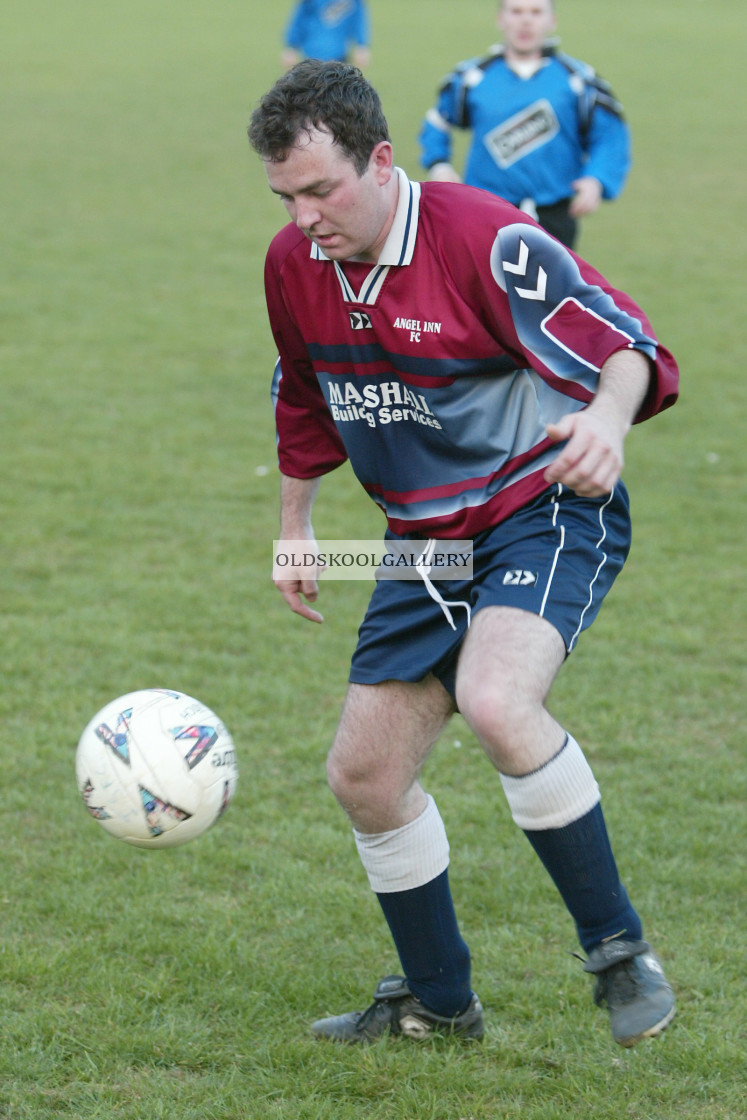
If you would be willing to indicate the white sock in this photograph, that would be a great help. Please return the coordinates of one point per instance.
(406, 857)
(560, 792)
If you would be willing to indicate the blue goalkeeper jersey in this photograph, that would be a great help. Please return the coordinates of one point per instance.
(532, 137)
(328, 29)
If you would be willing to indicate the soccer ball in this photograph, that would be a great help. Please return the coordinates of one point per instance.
(156, 768)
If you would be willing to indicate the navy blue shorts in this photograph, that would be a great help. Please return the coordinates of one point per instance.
(557, 557)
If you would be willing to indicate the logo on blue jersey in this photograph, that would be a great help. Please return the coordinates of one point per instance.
(522, 133)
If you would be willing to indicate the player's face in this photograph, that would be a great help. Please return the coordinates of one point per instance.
(346, 214)
(525, 25)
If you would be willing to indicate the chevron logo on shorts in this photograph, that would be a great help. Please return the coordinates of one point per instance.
(519, 577)
(359, 320)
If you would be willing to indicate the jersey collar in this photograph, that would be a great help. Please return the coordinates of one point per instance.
(400, 244)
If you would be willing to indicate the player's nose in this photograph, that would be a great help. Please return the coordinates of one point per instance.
(307, 213)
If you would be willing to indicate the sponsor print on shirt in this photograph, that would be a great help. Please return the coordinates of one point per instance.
(336, 13)
(379, 404)
(523, 133)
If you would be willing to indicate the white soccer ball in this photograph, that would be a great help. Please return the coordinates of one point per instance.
(156, 768)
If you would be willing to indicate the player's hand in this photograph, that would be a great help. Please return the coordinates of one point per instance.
(298, 594)
(289, 58)
(587, 197)
(444, 173)
(361, 57)
(592, 459)
(297, 577)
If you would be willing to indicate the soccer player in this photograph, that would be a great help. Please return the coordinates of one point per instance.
(481, 379)
(328, 29)
(547, 132)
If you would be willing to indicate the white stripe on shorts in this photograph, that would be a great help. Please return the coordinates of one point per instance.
(600, 565)
(556, 557)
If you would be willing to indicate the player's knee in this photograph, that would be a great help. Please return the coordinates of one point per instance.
(496, 714)
(337, 776)
(367, 789)
(350, 780)
(483, 706)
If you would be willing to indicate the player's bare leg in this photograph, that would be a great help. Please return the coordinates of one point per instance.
(507, 665)
(385, 734)
(506, 669)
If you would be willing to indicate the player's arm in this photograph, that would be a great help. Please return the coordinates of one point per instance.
(308, 443)
(592, 460)
(435, 144)
(297, 497)
(294, 37)
(608, 148)
(435, 137)
(362, 48)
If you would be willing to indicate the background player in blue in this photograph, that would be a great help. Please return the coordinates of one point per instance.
(328, 29)
(519, 370)
(548, 134)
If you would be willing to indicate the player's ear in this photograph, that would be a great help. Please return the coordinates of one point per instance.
(382, 161)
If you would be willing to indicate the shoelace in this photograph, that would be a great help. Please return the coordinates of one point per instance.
(380, 1008)
(620, 980)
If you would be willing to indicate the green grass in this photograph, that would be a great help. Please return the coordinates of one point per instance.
(137, 520)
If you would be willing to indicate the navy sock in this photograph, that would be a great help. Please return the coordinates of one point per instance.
(580, 862)
(434, 957)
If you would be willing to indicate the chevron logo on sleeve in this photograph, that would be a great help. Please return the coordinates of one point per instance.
(520, 269)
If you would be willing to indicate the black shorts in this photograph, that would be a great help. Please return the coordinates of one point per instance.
(557, 558)
(558, 221)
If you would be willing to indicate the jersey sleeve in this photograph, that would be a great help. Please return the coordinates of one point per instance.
(451, 110)
(603, 130)
(307, 440)
(295, 28)
(608, 150)
(362, 25)
(568, 320)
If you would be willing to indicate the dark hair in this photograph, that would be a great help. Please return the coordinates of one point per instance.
(328, 96)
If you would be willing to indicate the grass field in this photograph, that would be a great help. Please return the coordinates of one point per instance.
(139, 504)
